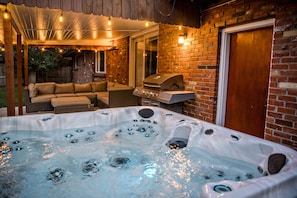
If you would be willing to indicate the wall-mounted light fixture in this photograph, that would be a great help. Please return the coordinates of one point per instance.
(5, 14)
(182, 38)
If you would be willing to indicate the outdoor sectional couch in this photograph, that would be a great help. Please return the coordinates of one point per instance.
(101, 94)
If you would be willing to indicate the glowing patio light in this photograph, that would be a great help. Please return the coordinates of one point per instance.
(61, 18)
(109, 22)
(6, 14)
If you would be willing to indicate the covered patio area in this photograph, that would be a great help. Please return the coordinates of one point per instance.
(80, 25)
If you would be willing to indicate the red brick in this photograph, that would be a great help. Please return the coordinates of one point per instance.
(268, 131)
(272, 138)
(277, 91)
(286, 110)
(288, 98)
(275, 115)
(291, 117)
(284, 122)
(281, 53)
(290, 130)
(290, 143)
(283, 40)
(281, 135)
(278, 79)
(292, 92)
(291, 105)
(288, 73)
(289, 60)
(276, 103)
(271, 108)
(269, 119)
(273, 126)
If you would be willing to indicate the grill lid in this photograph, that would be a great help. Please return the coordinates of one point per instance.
(164, 82)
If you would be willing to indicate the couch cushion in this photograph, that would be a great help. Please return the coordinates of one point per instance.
(103, 97)
(33, 91)
(82, 88)
(43, 98)
(99, 86)
(88, 94)
(65, 95)
(64, 88)
(69, 101)
(45, 88)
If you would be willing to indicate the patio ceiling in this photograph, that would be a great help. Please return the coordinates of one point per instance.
(42, 26)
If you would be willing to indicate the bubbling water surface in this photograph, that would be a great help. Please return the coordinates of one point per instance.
(122, 160)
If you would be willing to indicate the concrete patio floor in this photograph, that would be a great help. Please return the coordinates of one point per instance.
(3, 111)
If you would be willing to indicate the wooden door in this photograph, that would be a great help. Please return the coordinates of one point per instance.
(249, 63)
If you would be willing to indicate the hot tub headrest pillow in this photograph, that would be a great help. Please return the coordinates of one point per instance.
(146, 113)
(276, 162)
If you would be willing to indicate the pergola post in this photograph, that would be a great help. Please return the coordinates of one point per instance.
(9, 65)
(26, 66)
(19, 73)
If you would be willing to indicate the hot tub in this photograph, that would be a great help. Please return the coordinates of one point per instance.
(138, 152)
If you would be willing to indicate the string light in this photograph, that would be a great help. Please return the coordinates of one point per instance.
(109, 22)
(147, 24)
(61, 18)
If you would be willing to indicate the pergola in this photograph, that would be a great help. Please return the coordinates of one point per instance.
(83, 24)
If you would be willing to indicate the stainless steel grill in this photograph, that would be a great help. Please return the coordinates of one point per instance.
(164, 90)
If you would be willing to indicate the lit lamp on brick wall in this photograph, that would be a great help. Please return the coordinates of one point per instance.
(182, 38)
(6, 14)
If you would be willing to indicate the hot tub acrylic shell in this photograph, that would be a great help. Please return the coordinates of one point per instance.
(201, 134)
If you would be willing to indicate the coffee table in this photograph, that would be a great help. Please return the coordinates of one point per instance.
(72, 104)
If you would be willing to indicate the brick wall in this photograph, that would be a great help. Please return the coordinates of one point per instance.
(117, 62)
(117, 65)
(85, 68)
(198, 61)
(281, 120)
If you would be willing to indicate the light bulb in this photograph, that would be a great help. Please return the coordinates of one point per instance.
(5, 14)
(61, 18)
(181, 39)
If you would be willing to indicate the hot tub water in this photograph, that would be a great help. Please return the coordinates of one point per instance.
(109, 163)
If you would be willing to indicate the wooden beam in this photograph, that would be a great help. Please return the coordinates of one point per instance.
(20, 73)
(26, 65)
(9, 65)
